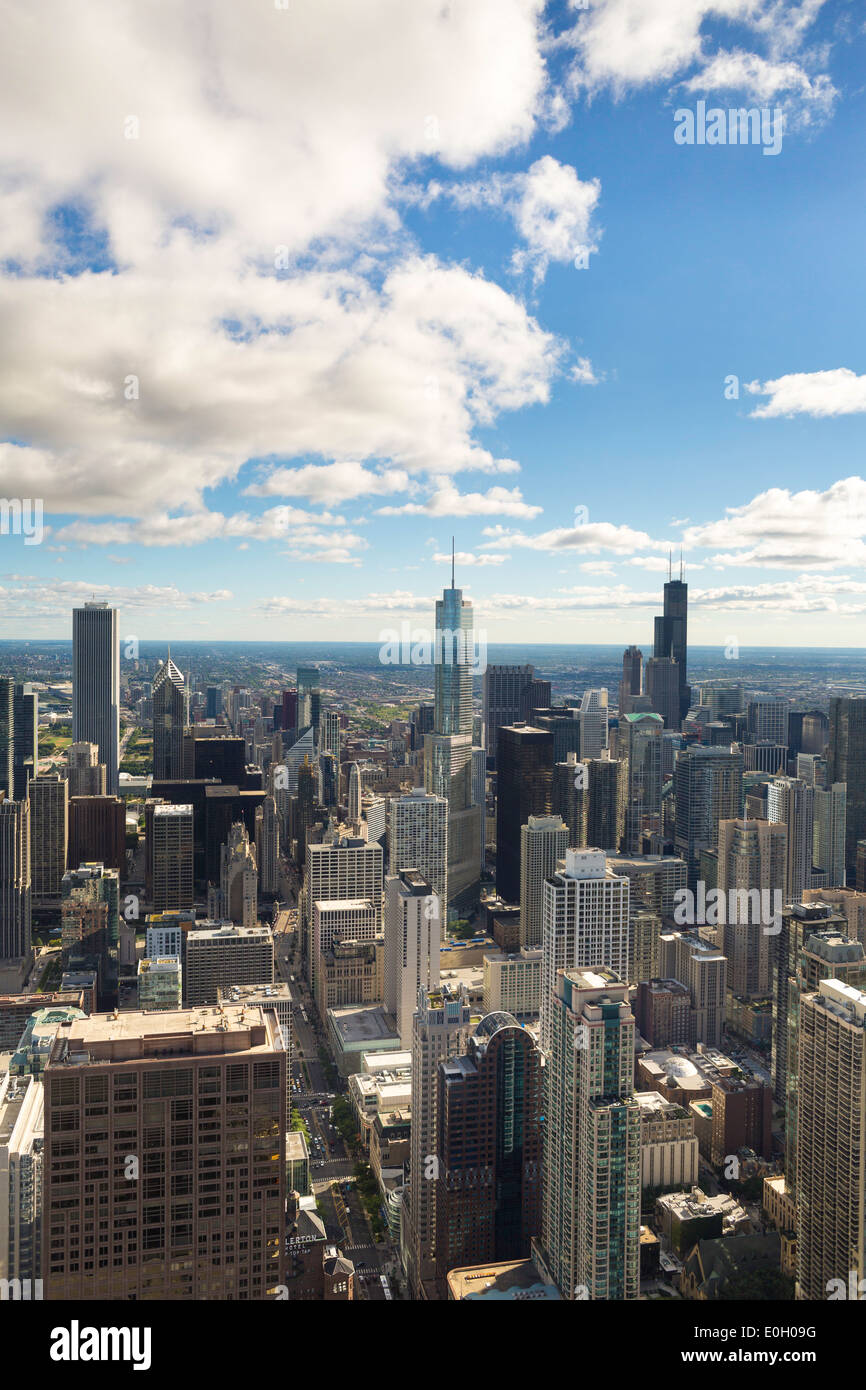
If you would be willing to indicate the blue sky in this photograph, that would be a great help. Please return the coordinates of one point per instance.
(286, 305)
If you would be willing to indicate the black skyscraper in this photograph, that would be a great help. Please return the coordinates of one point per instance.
(524, 761)
(670, 634)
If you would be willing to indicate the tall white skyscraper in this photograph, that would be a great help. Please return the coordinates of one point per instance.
(792, 803)
(355, 792)
(543, 842)
(329, 733)
(585, 923)
(96, 684)
(413, 937)
(418, 837)
(593, 723)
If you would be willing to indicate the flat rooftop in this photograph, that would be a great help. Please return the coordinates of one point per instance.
(355, 1024)
(133, 1035)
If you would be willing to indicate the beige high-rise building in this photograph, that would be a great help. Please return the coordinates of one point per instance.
(418, 837)
(543, 842)
(49, 835)
(831, 1142)
(186, 1198)
(268, 846)
(225, 955)
(413, 940)
(752, 875)
(237, 898)
(86, 772)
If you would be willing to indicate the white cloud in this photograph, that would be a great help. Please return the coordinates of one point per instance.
(330, 482)
(781, 529)
(836, 392)
(446, 500)
(584, 373)
(592, 536)
(466, 557)
(554, 216)
(626, 44)
(258, 285)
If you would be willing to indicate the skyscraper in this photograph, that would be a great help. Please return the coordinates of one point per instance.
(846, 762)
(585, 924)
(15, 900)
(440, 1026)
(49, 830)
(670, 634)
(593, 724)
(96, 684)
(639, 742)
(632, 679)
(448, 750)
(418, 838)
(488, 1146)
(831, 1140)
(25, 756)
(172, 858)
(7, 735)
(86, 772)
(829, 834)
(591, 1200)
(329, 733)
(268, 846)
(663, 689)
(203, 1220)
(506, 692)
(751, 875)
(543, 843)
(606, 790)
(413, 938)
(708, 784)
(355, 790)
(791, 803)
(524, 787)
(169, 721)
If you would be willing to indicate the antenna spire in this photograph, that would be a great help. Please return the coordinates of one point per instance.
(681, 564)
(670, 565)
(452, 562)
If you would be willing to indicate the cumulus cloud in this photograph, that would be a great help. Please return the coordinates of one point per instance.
(592, 537)
(446, 500)
(247, 287)
(836, 392)
(466, 557)
(782, 529)
(622, 45)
